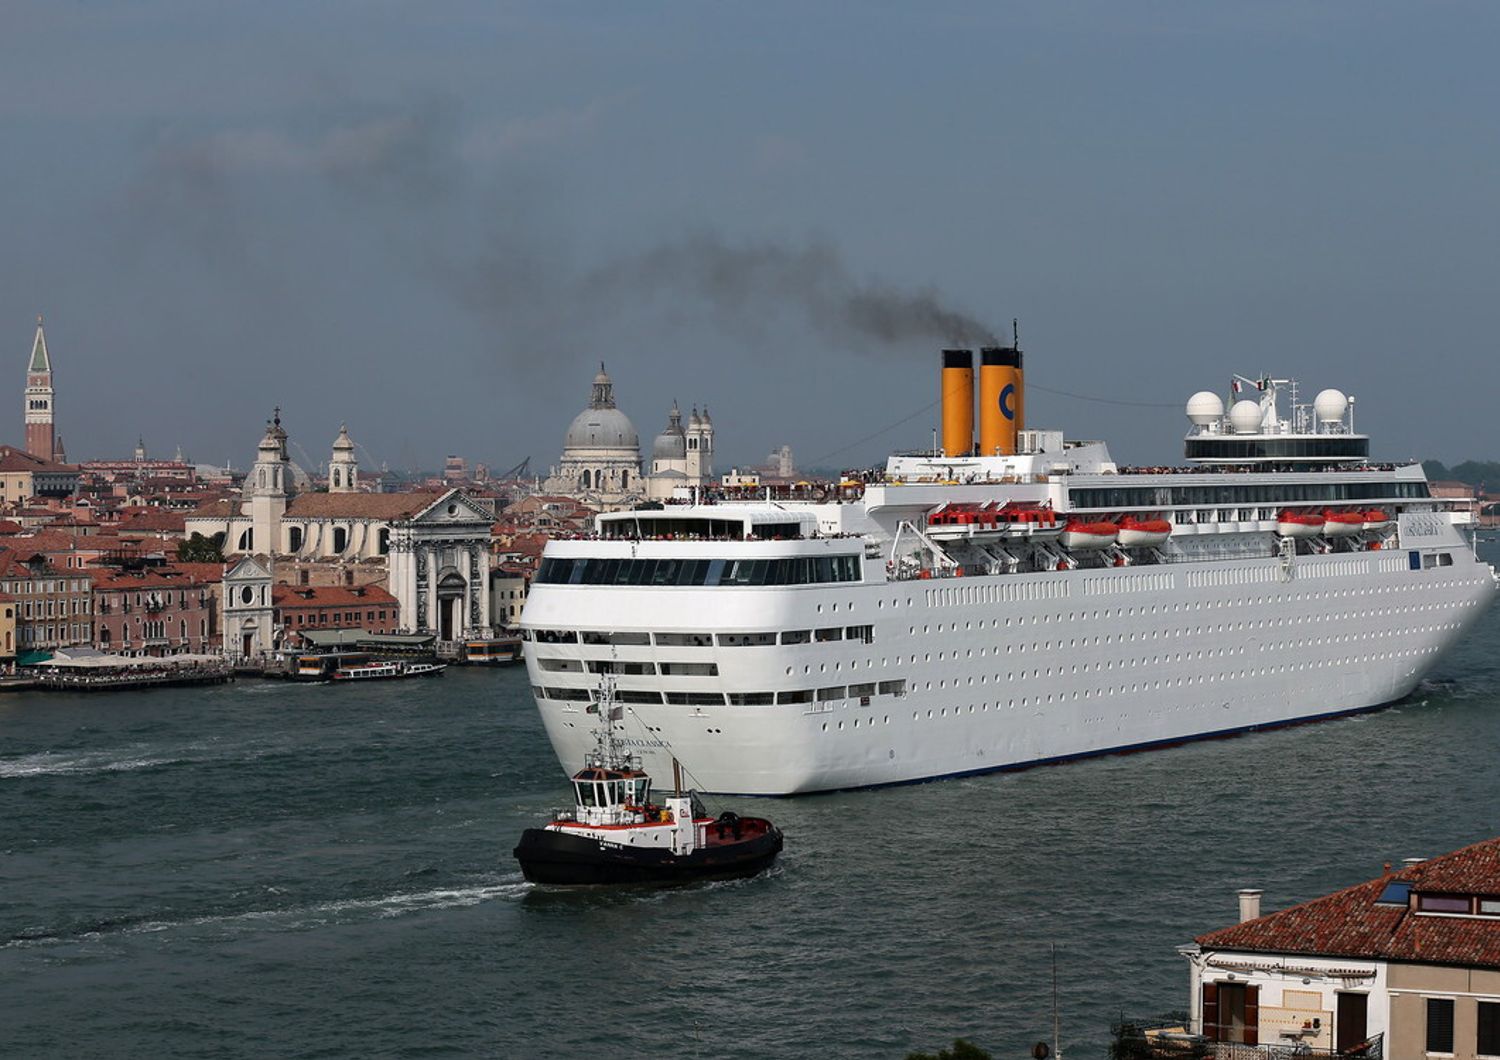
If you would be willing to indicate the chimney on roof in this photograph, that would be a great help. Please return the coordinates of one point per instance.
(1249, 904)
(1407, 863)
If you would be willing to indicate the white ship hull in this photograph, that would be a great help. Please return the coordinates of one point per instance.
(900, 632)
(1017, 670)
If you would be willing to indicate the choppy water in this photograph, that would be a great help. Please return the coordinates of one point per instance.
(263, 869)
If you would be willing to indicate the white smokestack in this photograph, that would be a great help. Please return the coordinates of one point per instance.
(1249, 904)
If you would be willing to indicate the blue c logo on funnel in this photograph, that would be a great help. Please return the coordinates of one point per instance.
(1006, 397)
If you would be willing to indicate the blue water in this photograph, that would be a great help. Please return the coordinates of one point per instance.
(263, 869)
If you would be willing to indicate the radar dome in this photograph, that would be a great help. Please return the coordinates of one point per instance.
(1330, 405)
(1244, 417)
(1205, 407)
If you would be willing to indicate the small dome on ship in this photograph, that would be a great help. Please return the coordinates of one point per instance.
(1244, 417)
(1205, 407)
(1330, 405)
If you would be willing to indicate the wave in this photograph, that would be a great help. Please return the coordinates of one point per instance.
(121, 759)
(52, 763)
(289, 918)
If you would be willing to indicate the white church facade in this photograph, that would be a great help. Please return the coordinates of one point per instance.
(434, 546)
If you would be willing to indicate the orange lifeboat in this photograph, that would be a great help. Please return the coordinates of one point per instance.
(1343, 524)
(1299, 524)
(1143, 533)
(1081, 536)
(1375, 519)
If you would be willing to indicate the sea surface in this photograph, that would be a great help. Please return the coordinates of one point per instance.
(265, 869)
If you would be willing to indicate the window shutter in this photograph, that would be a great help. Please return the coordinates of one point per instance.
(1211, 1011)
(1252, 1015)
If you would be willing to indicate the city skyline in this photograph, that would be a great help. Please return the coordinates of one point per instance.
(1160, 201)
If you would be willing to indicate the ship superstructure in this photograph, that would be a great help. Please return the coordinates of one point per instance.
(1008, 600)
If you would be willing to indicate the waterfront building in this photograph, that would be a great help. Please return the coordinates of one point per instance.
(248, 612)
(299, 608)
(24, 476)
(7, 633)
(432, 546)
(41, 430)
(54, 607)
(601, 457)
(169, 609)
(1410, 958)
(508, 594)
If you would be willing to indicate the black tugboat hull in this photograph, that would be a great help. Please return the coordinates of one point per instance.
(572, 860)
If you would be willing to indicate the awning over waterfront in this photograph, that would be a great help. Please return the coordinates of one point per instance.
(332, 639)
(84, 659)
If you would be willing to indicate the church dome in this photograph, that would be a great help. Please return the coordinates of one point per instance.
(671, 444)
(601, 425)
(605, 428)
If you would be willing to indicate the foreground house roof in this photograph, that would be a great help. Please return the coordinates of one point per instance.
(1412, 915)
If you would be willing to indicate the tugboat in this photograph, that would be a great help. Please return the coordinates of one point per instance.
(617, 834)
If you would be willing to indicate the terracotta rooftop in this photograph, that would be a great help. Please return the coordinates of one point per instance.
(330, 596)
(1354, 923)
(174, 576)
(13, 459)
(220, 509)
(153, 520)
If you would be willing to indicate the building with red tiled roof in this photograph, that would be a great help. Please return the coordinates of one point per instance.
(24, 476)
(169, 609)
(1413, 956)
(152, 522)
(434, 545)
(303, 607)
(54, 608)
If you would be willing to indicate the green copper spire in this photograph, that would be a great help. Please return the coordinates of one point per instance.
(40, 362)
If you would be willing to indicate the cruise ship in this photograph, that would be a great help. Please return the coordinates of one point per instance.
(1009, 599)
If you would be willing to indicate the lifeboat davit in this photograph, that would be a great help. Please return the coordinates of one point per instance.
(1081, 536)
(1299, 524)
(1343, 524)
(1375, 519)
(1144, 533)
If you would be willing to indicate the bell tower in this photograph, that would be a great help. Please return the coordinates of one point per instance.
(41, 439)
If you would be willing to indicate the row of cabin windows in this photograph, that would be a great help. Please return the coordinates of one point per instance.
(1222, 448)
(687, 529)
(825, 635)
(832, 694)
(1245, 493)
(630, 669)
(795, 570)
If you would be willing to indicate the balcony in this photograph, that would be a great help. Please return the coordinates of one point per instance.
(1166, 1038)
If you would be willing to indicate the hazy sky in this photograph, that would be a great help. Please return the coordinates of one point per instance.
(432, 220)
